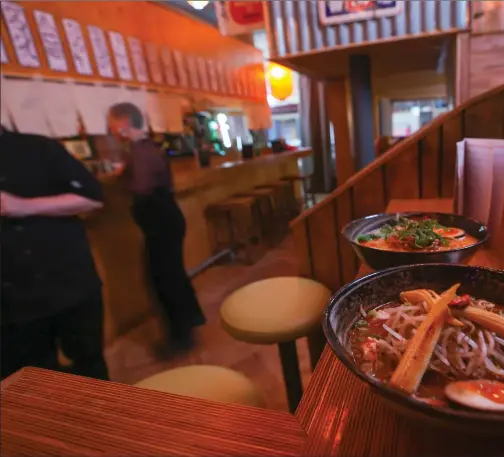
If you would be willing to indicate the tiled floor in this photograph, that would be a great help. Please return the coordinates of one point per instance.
(138, 355)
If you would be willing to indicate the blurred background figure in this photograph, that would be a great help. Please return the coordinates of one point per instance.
(50, 289)
(161, 221)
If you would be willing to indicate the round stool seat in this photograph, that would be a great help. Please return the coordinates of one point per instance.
(274, 310)
(206, 382)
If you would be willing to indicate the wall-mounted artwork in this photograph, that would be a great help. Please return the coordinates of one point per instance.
(154, 63)
(120, 56)
(78, 48)
(192, 70)
(138, 58)
(212, 76)
(51, 41)
(101, 51)
(344, 11)
(20, 33)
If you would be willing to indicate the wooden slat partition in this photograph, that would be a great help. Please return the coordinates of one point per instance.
(421, 166)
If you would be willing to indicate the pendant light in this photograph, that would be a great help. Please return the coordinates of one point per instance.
(198, 4)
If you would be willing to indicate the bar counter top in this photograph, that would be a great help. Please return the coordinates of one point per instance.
(188, 176)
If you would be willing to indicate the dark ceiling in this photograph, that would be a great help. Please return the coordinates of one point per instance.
(207, 14)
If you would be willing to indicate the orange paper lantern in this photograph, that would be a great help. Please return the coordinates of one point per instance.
(280, 81)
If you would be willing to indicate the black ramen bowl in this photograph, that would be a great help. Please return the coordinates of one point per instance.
(383, 287)
(379, 259)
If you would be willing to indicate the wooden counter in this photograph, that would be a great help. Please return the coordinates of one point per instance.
(117, 243)
(56, 414)
(196, 188)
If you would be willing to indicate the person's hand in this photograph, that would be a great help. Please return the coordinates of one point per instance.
(14, 206)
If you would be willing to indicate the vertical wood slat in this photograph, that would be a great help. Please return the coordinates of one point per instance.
(324, 244)
(402, 174)
(302, 249)
(451, 134)
(430, 164)
(348, 257)
(369, 195)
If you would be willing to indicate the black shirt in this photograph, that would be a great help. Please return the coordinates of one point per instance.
(46, 261)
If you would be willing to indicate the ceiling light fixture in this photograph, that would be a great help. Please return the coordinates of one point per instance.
(198, 4)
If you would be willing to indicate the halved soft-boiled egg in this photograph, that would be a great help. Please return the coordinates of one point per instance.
(450, 232)
(477, 394)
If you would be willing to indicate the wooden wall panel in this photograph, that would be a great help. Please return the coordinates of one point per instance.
(486, 62)
(348, 258)
(302, 249)
(480, 119)
(323, 233)
(369, 194)
(451, 134)
(402, 174)
(430, 163)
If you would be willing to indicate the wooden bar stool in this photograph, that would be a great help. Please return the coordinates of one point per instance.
(282, 202)
(208, 383)
(266, 201)
(279, 311)
(308, 195)
(235, 223)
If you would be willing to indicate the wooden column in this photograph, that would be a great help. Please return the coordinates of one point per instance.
(462, 68)
(338, 112)
(362, 109)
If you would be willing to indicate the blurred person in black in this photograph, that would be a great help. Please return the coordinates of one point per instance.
(161, 221)
(50, 290)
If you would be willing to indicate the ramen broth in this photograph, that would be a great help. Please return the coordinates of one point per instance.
(416, 235)
(364, 344)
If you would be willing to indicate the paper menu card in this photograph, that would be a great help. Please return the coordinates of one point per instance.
(78, 47)
(20, 32)
(101, 51)
(479, 183)
(24, 102)
(51, 41)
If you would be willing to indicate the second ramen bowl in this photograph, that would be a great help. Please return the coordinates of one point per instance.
(384, 287)
(379, 259)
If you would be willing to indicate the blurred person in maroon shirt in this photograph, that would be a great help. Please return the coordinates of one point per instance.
(157, 214)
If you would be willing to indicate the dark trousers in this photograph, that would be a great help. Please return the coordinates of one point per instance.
(163, 226)
(79, 330)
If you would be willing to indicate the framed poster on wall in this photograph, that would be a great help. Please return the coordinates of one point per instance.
(77, 47)
(51, 41)
(101, 51)
(333, 12)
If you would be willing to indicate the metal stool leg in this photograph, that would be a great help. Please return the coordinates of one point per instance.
(291, 373)
(316, 344)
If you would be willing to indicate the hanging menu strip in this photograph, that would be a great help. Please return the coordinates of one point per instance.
(21, 36)
(51, 41)
(120, 56)
(101, 51)
(77, 47)
(154, 63)
(138, 60)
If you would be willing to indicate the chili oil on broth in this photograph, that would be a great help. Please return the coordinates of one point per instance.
(380, 367)
(386, 245)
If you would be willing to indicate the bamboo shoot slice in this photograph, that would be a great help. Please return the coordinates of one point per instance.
(491, 321)
(416, 358)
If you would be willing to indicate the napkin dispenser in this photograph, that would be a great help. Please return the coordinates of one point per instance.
(479, 185)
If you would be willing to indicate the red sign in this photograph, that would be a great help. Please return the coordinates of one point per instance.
(246, 12)
(359, 5)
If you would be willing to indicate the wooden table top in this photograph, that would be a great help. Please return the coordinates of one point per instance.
(49, 413)
(342, 417)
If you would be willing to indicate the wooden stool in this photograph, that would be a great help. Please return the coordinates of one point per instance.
(238, 218)
(206, 382)
(266, 201)
(279, 311)
(308, 195)
(283, 203)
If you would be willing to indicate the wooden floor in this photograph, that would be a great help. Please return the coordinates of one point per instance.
(138, 354)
